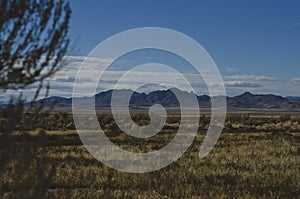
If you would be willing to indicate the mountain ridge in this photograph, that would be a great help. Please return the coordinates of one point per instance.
(168, 99)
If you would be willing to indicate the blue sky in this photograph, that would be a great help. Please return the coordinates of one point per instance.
(255, 44)
(243, 37)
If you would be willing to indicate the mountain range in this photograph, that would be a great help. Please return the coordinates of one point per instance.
(166, 98)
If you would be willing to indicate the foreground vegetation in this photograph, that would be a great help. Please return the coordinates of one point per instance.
(244, 164)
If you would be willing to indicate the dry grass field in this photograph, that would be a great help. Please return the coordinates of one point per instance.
(255, 157)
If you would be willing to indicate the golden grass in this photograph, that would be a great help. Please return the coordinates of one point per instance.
(241, 165)
(248, 165)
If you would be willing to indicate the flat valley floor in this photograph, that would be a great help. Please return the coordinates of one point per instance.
(255, 157)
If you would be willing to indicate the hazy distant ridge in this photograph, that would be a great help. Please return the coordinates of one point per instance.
(168, 99)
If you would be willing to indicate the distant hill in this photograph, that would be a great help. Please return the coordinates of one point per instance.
(269, 101)
(168, 99)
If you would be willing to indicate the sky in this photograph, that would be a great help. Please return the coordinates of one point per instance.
(257, 37)
(255, 44)
(247, 40)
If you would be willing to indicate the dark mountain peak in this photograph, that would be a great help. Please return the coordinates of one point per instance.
(275, 96)
(246, 94)
(175, 89)
(109, 92)
(168, 99)
(249, 100)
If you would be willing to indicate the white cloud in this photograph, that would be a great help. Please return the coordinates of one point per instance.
(295, 80)
(252, 77)
(61, 83)
(235, 84)
(242, 84)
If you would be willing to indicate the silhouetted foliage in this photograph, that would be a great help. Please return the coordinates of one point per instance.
(33, 40)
